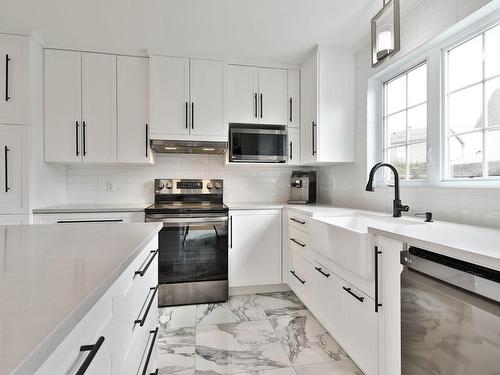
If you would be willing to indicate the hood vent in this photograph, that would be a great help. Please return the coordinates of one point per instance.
(188, 147)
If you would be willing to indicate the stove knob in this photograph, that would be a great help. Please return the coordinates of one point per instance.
(218, 185)
(169, 185)
(160, 187)
(210, 186)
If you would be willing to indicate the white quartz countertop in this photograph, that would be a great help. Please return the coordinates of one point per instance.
(255, 205)
(86, 208)
(51, 276)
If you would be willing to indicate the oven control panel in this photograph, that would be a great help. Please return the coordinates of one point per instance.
(188, 186)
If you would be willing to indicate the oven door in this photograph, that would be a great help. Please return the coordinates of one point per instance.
(258, 145)
(193, 260)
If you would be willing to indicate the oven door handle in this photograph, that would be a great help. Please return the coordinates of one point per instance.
(178, 221)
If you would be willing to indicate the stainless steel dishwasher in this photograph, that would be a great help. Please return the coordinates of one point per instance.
(450, 316)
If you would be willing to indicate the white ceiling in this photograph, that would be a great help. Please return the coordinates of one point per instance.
(281, 31)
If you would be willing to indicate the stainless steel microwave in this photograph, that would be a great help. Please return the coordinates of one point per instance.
(260, 145)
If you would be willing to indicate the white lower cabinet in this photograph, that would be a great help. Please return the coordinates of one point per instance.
(96, 217)
(254, 247)
(118, 335)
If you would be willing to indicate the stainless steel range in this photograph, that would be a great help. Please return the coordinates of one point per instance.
(193, 244)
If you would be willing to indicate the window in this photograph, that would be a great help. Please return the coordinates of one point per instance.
(473, 108)
(405, 123)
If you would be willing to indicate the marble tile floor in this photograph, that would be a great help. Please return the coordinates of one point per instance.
(262, 334)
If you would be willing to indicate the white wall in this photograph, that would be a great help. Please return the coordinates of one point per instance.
(421, 20)
(134, 184)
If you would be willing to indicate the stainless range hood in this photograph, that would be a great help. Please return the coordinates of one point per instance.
(188, 147)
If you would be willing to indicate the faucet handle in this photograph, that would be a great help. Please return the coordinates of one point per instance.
(405, 208)
(428, 216)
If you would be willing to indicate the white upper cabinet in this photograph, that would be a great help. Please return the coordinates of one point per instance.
(80, 107)
(206, 92)
(293, 98)
(63, 106)
(13, 79)
(327, 107)
(169, 97)
(13, 169)
(272, 96)
(98, 107)
(133, 110)
(256, 95)
(241, 104)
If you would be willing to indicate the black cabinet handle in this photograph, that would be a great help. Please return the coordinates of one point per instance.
(90, 221)
(7, 60)
(143, 271)
(291, 150)
(348, 290)
(84, 136)
(297, 242)
(291, 110)
(261, 106)
(320, 270)
(6, 161)
(147, 140)
(377, 304)
(77, 138)
(313, 140)
(146, 312)
(154, 373)
(298, 278)
(150, 351)
(192, 115)
(187, 116)
(255, 104)
(231, 231)
(92, 349)
(297, 221)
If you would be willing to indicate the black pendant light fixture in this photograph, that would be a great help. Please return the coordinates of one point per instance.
(385, 32)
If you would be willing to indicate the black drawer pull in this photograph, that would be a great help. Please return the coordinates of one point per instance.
(150, 351)
(297, 221)
(145, 316)
(348, 290)
(92, 349)
(320, 270)
(297, 242)
(143, 271)
(298, 278)
(89, 221)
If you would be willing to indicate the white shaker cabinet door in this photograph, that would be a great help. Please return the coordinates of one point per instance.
(272, 96)
(13, 78)
(293, 98)
(13, 169)
(255, 247)
(293, 146)
(206, 89)
(133, 110)
(241, 94)
(169, 96)
(98, 107)
(63, 78)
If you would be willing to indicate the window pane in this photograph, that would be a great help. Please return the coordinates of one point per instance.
(417, 123)
(396, 129)
(466, 109)
(397, 157)
(396, 95)
(493, 101)
(466, 64)
(493, 152)
(417, 160)
(492, 52)
(465, 155)
(417, 86)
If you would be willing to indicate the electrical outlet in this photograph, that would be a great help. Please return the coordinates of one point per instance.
(110, 185)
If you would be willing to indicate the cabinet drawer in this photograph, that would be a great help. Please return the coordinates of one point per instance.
(298, 221)
(68, 356)
(298, 240)
(298, 269)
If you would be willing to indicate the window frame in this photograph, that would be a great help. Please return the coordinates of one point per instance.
(386, 115)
